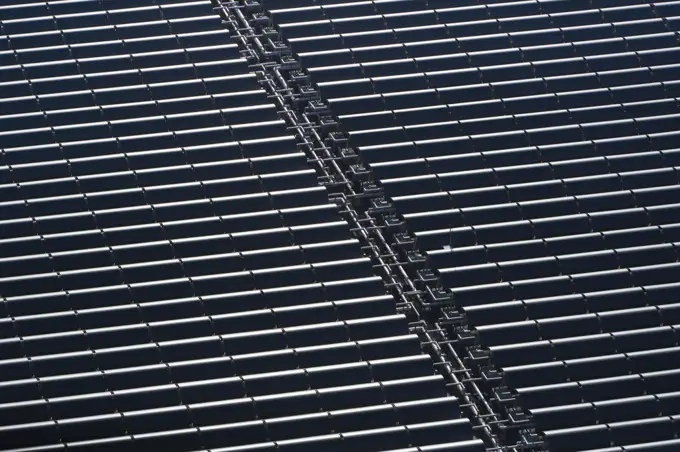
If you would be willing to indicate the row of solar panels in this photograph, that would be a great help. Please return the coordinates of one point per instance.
(434, 70)
(183, 125)
(377, 439)
(627, 246)
(175, 28)
(553, 68)
(451, 23)
(172, 275)
(138, 153)
(470, 32)
(518, 97)
(592, 323)
(581, 131)
(306, 11)
(211, 387)
(32, 10)
(204, 415)
(42, 47)
(618, 154)
(162, 252)
(530, 146)
(62, 15)
(199, 56)
(205, 279)
(123, 77)
(129, 258)
(521, 111)
(461, 194)
(213, 188)
(140, 166)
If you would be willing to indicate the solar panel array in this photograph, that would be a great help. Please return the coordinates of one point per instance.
(173, 277)
(532, 149)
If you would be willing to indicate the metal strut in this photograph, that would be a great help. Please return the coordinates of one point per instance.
(430, 309)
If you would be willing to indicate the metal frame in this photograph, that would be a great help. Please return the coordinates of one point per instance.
(433, 316)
